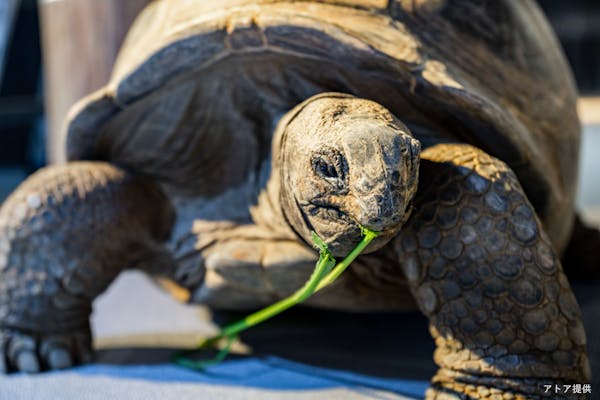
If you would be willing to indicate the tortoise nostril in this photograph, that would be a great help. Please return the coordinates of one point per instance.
(365, 184)
(381, 211)
(376, 223)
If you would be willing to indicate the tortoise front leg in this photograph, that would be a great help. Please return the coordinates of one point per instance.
(65, 234)
(480, 266)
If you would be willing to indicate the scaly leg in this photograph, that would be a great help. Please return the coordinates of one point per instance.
(480, 266)
(65, 234)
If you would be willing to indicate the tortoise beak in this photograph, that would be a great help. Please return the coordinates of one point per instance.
(381, 212)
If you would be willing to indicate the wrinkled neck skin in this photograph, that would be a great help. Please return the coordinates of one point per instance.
(339, 162)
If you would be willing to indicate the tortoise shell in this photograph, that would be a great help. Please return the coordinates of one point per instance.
(200, 84)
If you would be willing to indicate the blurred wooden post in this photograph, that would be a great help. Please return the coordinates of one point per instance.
(80, 40)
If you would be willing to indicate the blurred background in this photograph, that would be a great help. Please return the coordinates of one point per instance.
(74, 42)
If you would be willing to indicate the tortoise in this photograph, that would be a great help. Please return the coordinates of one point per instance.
(231, 130)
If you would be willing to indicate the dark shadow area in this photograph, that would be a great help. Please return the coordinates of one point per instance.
(387, 345)
(391, 345)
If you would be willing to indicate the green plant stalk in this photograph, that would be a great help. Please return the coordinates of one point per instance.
(201, 364)
(367, 237)
(325, 273)
(322, 276)
(324, 266)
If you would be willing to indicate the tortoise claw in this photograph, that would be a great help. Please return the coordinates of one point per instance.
(56, 353)
(59, 359)
(26, 361)
(21, 352)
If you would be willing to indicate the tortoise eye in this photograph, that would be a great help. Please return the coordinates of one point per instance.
(325, 169)
(329, 166)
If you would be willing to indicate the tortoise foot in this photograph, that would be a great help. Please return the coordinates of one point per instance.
(452, 385)
(31, 353)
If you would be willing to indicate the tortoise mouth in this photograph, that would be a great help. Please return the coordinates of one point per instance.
(336, 211)
(341, 231)
(333, 211)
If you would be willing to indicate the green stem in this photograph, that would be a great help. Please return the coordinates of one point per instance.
(182, 360)
(367, 238)
(324, 274)
(324, 265)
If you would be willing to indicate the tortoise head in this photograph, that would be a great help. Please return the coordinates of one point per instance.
(346, 162)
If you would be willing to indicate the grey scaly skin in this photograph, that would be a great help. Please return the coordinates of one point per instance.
(474, 254)
(483, 270)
